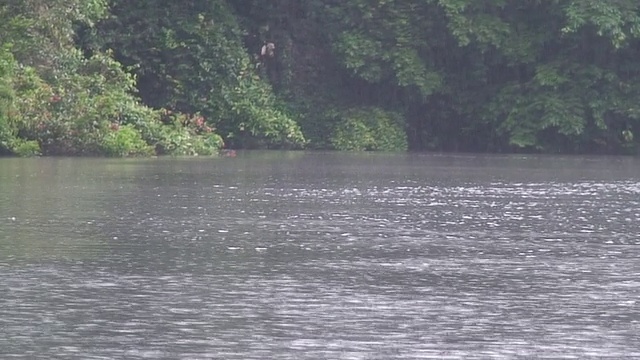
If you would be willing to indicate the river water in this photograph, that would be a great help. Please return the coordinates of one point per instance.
(293, 255)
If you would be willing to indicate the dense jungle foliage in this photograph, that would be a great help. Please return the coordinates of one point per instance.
(125, 78)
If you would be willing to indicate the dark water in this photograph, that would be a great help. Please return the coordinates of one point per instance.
(320, 256)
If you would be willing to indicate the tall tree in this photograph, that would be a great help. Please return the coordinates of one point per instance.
(189, 57)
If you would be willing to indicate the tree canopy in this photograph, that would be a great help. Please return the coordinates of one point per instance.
(123, 78)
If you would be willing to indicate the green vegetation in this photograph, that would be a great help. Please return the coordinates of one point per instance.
(59, 99)
(133, 78)
(368, 129)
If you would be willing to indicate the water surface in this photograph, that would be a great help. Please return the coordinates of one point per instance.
(280, 255)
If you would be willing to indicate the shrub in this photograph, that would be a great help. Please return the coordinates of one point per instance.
(180, 134)
(56, 99)
(207, 144)
(125, 141)
(89, 109)
(25, 148)
(69, 109)
(368, 129)
(6, 97)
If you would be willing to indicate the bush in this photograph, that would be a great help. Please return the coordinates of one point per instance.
(368, 129)
(57, 100)
(25, 148)
(89, 109)
(69, 109)
(207, 144)
(7, 63)
(178, 134)
(125, 141)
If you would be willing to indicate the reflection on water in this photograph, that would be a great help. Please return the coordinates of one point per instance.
(311, 256)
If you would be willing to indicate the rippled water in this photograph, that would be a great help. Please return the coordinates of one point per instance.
(313, 256)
